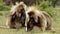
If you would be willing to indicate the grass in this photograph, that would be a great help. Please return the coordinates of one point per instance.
(3, 18)
(55, 24)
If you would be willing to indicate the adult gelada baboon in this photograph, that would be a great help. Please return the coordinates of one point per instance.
(40, 19)
(17, 16)
(36, 18)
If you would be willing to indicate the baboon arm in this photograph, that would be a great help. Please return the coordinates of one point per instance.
(26, 20)
(43, 22)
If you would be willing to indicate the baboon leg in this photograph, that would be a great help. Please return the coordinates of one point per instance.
(48, 26)
(49, 23)
(49, 20)
(43, 24)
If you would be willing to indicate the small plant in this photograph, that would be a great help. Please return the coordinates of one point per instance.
(3, 7)
(45, 6)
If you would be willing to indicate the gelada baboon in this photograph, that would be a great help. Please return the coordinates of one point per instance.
(36, 18)
(40, 19)
(17, 16)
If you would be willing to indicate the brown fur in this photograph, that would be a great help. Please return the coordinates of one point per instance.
(49, 22)
(17, 16)
(44, 20)
(37, 15)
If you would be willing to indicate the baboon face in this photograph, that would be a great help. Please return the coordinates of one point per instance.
(31, 21)
(20, 12)
(31, 17)
(21, 16)
(30, 24)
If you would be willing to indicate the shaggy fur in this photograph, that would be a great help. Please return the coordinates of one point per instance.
(36, 19)
(40, 19)
(49, 20)
(17, 16)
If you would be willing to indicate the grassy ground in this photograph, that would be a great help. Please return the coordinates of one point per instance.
(55, 24)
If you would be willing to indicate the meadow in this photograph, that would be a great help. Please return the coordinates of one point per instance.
(4, 11)
(55, 24)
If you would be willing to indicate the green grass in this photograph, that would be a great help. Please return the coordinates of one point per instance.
(55, 24)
